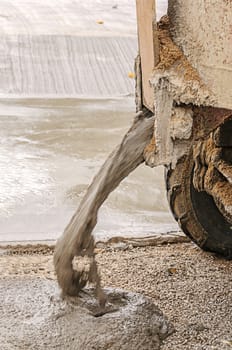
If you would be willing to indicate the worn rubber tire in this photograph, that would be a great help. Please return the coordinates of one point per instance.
(196, 212)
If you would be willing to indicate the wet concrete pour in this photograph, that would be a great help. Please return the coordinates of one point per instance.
(34, 316)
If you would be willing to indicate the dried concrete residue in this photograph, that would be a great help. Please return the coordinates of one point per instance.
(185, 85)
(175, 82)
(181, 123)
(33, 316)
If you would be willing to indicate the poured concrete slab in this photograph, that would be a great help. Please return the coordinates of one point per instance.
(59, 48)
(68, 48)
(51, 146)
(34, 316)
(71, 17)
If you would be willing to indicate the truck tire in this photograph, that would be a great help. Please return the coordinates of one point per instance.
(196, 212)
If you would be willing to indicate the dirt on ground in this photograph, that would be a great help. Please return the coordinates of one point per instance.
(193, 288)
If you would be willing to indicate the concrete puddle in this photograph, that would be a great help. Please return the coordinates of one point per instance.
(34, 316)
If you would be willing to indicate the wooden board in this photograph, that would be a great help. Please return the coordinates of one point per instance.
(148, 46)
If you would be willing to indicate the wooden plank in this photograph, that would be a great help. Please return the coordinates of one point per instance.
(148, 46)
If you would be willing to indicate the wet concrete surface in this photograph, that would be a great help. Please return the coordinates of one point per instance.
(71, 17)
(51, 147)
(50, 151)
(68, 47)
(34, 316)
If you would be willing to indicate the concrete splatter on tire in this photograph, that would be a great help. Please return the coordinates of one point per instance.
(196, 212)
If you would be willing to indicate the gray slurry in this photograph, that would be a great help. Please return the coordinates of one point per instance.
(34, 316)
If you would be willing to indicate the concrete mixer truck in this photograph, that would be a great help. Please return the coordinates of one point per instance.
(184, 76)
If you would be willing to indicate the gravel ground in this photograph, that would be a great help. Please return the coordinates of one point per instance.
(191, 287)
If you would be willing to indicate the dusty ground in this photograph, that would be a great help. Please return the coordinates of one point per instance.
(192, 288)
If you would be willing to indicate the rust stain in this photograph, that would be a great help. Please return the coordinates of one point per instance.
(150, 148)
(171, 55)
(207, 119)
